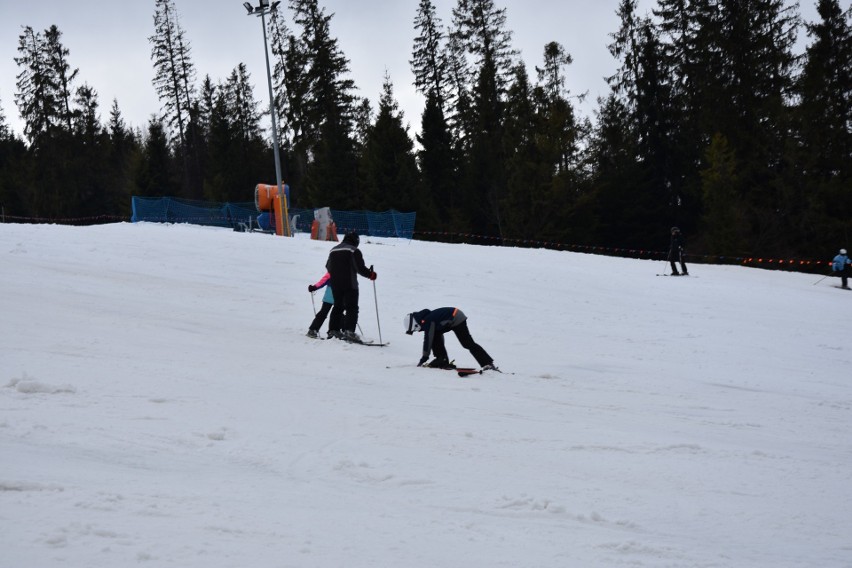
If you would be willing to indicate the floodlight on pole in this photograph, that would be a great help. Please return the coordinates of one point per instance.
(262, 10)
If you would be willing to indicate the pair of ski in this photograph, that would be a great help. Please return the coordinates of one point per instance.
(462, 371)
(362, 342)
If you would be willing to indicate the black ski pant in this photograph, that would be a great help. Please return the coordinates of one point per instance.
(344, 314)
(677, 256)
(463, 335)
(844, 275)
(320, 317)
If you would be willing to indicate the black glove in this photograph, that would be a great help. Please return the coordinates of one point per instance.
(312, 288)
(373, 276)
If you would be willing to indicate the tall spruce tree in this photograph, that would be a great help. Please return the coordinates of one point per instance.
(631, 193)
(36, 95)
(388, 164)
(438, 164)
(64, 76)
(174, 81)
(481, 29)
(238, 157)
(431, 64)
(123, 152)
(527, 174)
(756, 42)
(174, 72)
(429, 58)
(327, 147)
(824, 126)
(154, 174)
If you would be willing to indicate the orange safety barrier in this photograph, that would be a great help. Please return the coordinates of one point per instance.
(330, 231)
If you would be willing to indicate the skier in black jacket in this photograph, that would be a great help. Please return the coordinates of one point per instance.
(434, 324)
(345, 263)
(676, 252)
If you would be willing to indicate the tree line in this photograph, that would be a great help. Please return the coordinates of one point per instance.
(713, 122)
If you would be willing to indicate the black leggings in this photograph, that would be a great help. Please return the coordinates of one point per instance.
(463, 335)
(320, 317)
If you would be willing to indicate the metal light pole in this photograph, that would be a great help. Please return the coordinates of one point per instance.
(262, 10)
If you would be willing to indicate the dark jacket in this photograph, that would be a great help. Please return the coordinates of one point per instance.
(437, 321)
(345, 263)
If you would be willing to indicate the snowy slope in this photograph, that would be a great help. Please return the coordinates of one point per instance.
(161, 406)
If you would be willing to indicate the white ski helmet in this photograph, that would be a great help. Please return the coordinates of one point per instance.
(411, 324)
(842, 251)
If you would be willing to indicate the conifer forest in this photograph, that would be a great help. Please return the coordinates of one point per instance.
(713, 122)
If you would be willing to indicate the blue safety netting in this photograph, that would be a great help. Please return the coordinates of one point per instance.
(176, 210)
(390, 223)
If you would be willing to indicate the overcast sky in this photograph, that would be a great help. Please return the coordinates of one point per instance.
(108, 43)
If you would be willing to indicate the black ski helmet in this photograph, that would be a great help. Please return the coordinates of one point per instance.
(352, 238)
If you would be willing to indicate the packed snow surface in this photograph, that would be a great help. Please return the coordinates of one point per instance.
(161, 406)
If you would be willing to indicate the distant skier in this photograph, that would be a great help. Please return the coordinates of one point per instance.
(676, 252)
(434, 324)
(327, 304)
(345, 263)
(840, 267)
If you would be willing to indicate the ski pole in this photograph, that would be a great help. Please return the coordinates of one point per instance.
(313, 304)
(376, 301)
(821, 279)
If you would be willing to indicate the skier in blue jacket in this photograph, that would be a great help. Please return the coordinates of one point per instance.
(327, 304)
(434, 324)
(840, 267)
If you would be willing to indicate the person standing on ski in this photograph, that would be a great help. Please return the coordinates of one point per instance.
(327, 303)
(434, 324)
(676, 252)
(840, 267)
(345, 263)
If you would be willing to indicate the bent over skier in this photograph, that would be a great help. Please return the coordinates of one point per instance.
(434, 324)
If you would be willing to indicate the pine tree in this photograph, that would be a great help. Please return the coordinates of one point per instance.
(280, 38)
(36, 87)
(438, 163)
(824, 126)
(64, 76)
(326, 145)
(756, 42)
(89, 166)
(123, 150)
(174, 81)
(154, 173)
(174, 72)
(237, 154)
(429, 59)
(527, 173)
(388, 166)
(479, 27)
